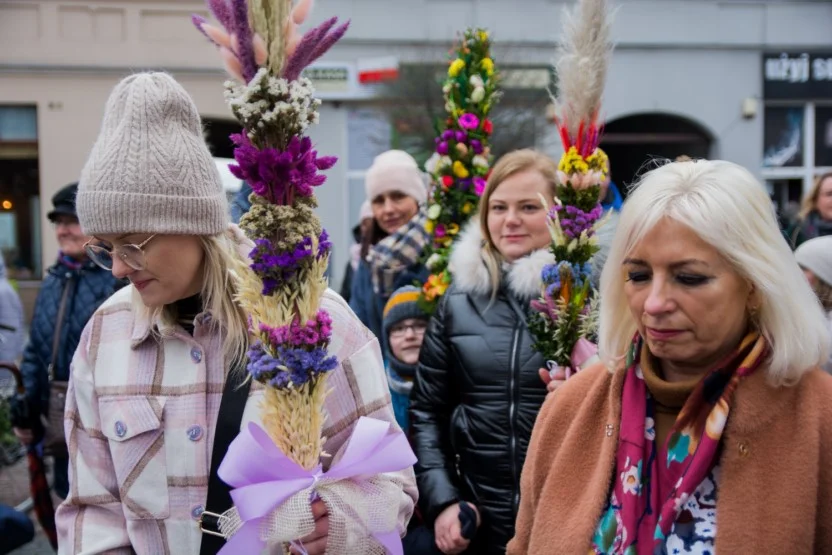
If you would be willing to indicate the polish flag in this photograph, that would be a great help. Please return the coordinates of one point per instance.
(377, 70)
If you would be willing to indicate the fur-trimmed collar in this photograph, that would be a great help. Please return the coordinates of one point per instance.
(470, 274)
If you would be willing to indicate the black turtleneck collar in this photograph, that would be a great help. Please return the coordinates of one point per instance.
(187, 310)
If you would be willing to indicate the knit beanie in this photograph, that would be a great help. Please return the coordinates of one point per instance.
(816, 255)
(150, 170)
(403, 304)
(395, 170)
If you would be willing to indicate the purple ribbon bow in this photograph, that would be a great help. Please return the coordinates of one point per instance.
(263, 477)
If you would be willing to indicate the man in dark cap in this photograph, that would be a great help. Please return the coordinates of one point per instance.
(71, 291)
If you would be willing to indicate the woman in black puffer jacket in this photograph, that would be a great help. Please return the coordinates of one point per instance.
(477, 391)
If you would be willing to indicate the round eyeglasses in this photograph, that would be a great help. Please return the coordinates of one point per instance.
(418, 328)
(132, 255)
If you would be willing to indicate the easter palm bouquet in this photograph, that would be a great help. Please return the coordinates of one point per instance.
(461, 163)
(277, 471)
(565, 318)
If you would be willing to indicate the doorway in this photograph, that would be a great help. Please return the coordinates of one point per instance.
(633, 142)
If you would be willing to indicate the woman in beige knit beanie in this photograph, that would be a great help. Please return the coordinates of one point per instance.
(149, 377)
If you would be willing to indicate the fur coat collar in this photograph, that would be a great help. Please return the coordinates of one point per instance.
(470, 274)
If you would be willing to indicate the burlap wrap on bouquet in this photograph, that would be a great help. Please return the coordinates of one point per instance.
(273, 495)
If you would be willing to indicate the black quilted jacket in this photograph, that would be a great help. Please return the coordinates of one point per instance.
(83, 291)
(477, 393)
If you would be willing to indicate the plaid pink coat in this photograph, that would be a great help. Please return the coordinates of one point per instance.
(140, 420)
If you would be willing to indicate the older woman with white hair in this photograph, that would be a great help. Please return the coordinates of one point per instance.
(708, 428)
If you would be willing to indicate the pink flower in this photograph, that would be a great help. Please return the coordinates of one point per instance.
(439, 231)
(469, 121)
(479, 185)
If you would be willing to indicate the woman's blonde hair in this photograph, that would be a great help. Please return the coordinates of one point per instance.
(217, 294)
(727, 208)
(810, 201)
(508, 165)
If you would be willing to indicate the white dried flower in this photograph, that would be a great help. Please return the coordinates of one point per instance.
(433, 261)
(480, 161)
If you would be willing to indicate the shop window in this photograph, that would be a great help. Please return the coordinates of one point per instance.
(783, 137)
(20, 233)
(823, 136)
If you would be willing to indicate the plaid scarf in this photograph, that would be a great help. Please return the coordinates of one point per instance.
(396, 252)
(652, 482)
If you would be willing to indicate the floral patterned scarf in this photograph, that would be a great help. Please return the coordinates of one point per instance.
(653, 482)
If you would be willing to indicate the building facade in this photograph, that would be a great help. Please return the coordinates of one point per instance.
(694, 77)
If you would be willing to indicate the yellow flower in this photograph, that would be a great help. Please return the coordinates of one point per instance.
(599, 162)
(483, 35)
(572, 162)
(467, 208)
(456, 66)
(460, 170)
(429, 226)
(439, 284)
(435, 287)
(453, 229)
(488, 65)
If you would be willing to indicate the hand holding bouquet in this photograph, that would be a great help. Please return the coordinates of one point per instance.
(564, 321)
(277, 471)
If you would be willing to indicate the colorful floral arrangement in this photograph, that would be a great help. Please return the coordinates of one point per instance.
(461, 163)
(281, 289)
(565, 318)
(281, 293)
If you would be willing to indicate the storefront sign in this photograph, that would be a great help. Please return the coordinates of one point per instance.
(378, 70)
(797, 76)
(329, 79)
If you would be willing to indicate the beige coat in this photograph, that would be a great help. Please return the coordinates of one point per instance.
(775, 488)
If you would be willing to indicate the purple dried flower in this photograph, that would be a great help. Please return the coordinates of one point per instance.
(468, 121)
(552, 289)
(329, 40)
(578, 221)
(277, 175)
(476, 145)
(303, 365)
(277, 268)
(442, 148)
(292, 366)
(222, 12)
(312, 46)
(198, 22)
(323, 244)
(300, 58)
(479, 185)
(315, 333)
(239, 11)
(460, 136)
(448, 134)
(464, 184)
